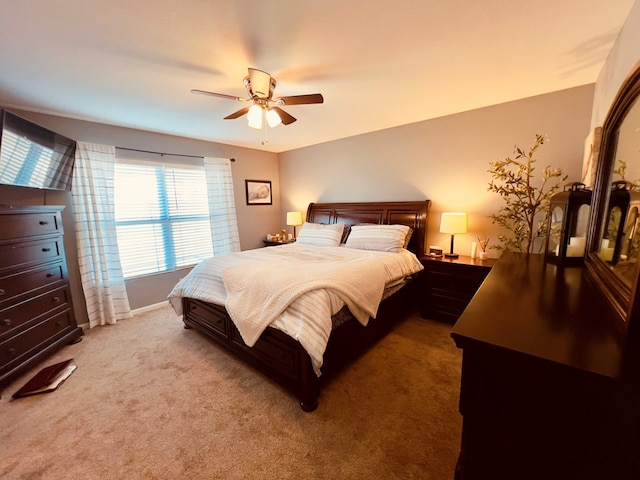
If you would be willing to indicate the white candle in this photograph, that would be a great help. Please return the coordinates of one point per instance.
(606, 254)
(575, 251)
(576, 247)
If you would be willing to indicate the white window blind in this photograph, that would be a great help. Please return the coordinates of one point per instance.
(162, 216)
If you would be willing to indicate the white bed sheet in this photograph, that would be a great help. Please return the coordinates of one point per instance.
(308, 318)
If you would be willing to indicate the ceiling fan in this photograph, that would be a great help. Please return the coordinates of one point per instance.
(260, 86)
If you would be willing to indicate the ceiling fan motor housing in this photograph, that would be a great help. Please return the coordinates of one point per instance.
(259, 84)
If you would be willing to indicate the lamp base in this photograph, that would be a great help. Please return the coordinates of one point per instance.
(451, 255)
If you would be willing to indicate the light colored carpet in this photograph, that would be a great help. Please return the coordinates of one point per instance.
(151, 400)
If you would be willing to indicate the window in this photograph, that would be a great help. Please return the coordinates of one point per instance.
(162, 216)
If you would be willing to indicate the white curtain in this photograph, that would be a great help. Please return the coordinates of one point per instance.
(222, 206)
(94, 214)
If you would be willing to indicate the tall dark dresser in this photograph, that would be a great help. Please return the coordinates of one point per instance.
(36, 311)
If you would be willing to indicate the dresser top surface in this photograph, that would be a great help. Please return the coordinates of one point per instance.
(536, 308)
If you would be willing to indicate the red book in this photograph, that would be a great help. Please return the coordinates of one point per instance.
(47, 379)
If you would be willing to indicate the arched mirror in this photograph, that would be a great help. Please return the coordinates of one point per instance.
(614, 236)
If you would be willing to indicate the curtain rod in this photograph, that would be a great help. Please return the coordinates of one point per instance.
(163, 154)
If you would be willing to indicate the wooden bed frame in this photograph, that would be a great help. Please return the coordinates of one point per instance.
(281, 357)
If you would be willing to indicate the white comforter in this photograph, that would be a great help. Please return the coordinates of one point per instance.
(295, 288)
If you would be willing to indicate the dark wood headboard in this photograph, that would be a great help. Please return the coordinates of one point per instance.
(412, 214)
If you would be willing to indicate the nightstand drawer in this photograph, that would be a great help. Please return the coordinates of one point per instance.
(449, 285)
(465, 284)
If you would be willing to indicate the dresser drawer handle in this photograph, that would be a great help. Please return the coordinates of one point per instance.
(56, 299)
(2, 291)
(11, 351)
(46, 249)
(49, 275)
(59, 323)
(7, 321)
(43, 222)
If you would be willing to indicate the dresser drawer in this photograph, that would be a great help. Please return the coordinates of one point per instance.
(13, 318)
(19, 256)
(29, 225)
(24, 282)
(15, 349)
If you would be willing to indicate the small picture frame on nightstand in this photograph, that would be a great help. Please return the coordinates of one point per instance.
(435, 252)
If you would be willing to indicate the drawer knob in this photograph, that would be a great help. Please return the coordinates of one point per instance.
(49, 275)
(43, 222)
(56, 299)
(46, 249)
(2, 292)
(7, 321)
(11, 351)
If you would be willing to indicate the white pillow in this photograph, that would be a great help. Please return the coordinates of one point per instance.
(384, 238)
(320, 234)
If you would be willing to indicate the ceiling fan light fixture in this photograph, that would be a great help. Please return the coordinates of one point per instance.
(254, 116)
(273, 119)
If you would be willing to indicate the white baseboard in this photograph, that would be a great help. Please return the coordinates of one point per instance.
(148, 308)
(137, 311)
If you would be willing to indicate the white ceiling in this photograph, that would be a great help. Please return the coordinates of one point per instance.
(378, 63)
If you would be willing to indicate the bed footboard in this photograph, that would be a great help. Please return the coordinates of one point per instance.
(283, 359)
(276, 354)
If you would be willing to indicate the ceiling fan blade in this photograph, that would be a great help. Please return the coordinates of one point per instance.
(301, 99)
(237, 114)
(284, 116)
(220, 95)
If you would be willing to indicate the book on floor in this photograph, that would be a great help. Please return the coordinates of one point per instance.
(47, 379)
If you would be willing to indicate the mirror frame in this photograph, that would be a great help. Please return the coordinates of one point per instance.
(620, 296)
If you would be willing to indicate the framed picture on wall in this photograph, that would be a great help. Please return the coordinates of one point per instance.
(258, 192)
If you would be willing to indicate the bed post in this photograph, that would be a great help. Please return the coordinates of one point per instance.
(309, 385)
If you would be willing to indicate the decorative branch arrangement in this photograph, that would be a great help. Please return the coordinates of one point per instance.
(526, 207)
(621, 171)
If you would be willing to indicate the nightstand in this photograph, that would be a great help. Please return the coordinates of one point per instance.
(271, 243)
(448, 284)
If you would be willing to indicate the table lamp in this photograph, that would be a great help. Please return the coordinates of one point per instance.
(294, 219)
(452, 223)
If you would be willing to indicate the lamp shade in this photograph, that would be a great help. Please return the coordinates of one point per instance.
(273, 119)
(453, 222)
(294, 218)
(254, 117)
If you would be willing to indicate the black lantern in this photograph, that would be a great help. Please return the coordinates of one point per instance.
(619, 243)
(567, 225)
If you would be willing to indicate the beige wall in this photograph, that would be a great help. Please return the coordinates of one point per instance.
(253, 221)
(444, 160)
(623, 57)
